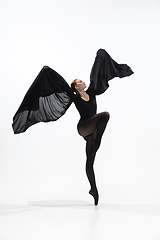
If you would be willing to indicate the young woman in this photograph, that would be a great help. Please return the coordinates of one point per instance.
(50, 96)
(90, 126)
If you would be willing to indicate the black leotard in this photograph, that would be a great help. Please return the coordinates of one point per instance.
(86, 109)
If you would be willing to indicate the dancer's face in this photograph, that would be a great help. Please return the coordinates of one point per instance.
(80, 85)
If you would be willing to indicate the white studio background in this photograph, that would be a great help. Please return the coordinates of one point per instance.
(65, 35)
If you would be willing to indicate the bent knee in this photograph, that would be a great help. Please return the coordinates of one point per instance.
(106, 115)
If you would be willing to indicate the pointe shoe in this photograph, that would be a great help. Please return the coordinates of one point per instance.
(95, 195)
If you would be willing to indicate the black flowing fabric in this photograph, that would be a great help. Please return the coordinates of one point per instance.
(50, 96)
(47, 99)
(105, 69)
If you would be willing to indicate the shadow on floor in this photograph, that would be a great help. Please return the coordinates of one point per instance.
(60, 203)
(143, 209)
(149, 209)
(8, 209)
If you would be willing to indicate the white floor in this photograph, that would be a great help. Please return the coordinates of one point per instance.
(127, 211)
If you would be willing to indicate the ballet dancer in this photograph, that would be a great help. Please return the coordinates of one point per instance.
(50, 96)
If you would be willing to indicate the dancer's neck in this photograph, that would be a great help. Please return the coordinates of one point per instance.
(84, 95)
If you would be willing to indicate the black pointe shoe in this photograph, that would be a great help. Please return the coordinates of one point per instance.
(95, 195)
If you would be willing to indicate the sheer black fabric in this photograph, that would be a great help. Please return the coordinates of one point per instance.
(105, 69)
(50, 96)
(47, 99)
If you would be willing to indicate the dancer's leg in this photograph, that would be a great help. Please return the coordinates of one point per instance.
(92, 131)
(97, 122)
(90, 153)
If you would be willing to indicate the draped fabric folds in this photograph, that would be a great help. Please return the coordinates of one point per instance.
(105, 69)
(47, 99)
(50, 96)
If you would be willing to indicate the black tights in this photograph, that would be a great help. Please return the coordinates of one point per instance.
(92, 130)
